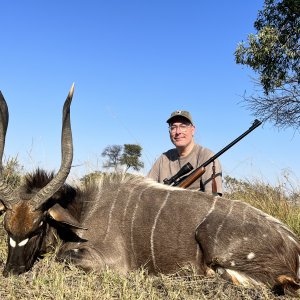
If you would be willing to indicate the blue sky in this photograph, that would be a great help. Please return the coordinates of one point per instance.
(133, 63)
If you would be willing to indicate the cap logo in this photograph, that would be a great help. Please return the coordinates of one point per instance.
(181, 113)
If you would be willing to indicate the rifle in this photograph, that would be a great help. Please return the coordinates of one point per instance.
(198, 172)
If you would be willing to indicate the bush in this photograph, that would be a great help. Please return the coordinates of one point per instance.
(12, 171)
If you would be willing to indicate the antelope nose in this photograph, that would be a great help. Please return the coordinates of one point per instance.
(5, 273)
(13, 270)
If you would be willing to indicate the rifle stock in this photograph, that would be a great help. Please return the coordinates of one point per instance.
(192, 178)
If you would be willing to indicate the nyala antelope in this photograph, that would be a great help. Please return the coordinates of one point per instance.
(127, 222)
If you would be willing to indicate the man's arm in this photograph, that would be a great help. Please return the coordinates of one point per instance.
(154, 172)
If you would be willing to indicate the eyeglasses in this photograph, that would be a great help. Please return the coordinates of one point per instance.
(182, 127)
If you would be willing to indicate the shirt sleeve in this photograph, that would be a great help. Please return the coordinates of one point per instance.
(154, 172)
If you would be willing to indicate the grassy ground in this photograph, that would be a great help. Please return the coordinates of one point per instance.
(51, 280)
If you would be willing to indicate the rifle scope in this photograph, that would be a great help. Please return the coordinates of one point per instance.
(184, 170)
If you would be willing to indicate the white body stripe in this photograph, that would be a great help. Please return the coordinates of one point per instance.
(209, 212)
(153, 229)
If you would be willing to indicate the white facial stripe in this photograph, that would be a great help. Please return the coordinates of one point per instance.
(41, 223)
(12, 242)
(23, 243)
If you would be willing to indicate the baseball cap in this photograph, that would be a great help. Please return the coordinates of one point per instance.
(180, 113)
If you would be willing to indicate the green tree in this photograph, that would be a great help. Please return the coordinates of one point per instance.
(131, 157)
(274, 54)
(113, 154)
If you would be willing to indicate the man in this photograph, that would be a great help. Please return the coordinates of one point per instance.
(182, 129)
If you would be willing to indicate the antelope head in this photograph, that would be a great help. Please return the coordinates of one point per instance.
(26, 213)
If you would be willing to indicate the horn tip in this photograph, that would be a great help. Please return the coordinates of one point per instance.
(72, 90)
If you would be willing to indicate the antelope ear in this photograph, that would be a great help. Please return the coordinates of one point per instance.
(59, 214)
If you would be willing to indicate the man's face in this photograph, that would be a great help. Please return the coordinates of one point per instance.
(181, 132)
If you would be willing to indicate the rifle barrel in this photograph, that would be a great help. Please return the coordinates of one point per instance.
(255, 124)
(193, 176)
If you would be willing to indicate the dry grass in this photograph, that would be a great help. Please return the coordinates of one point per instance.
(51, 280)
